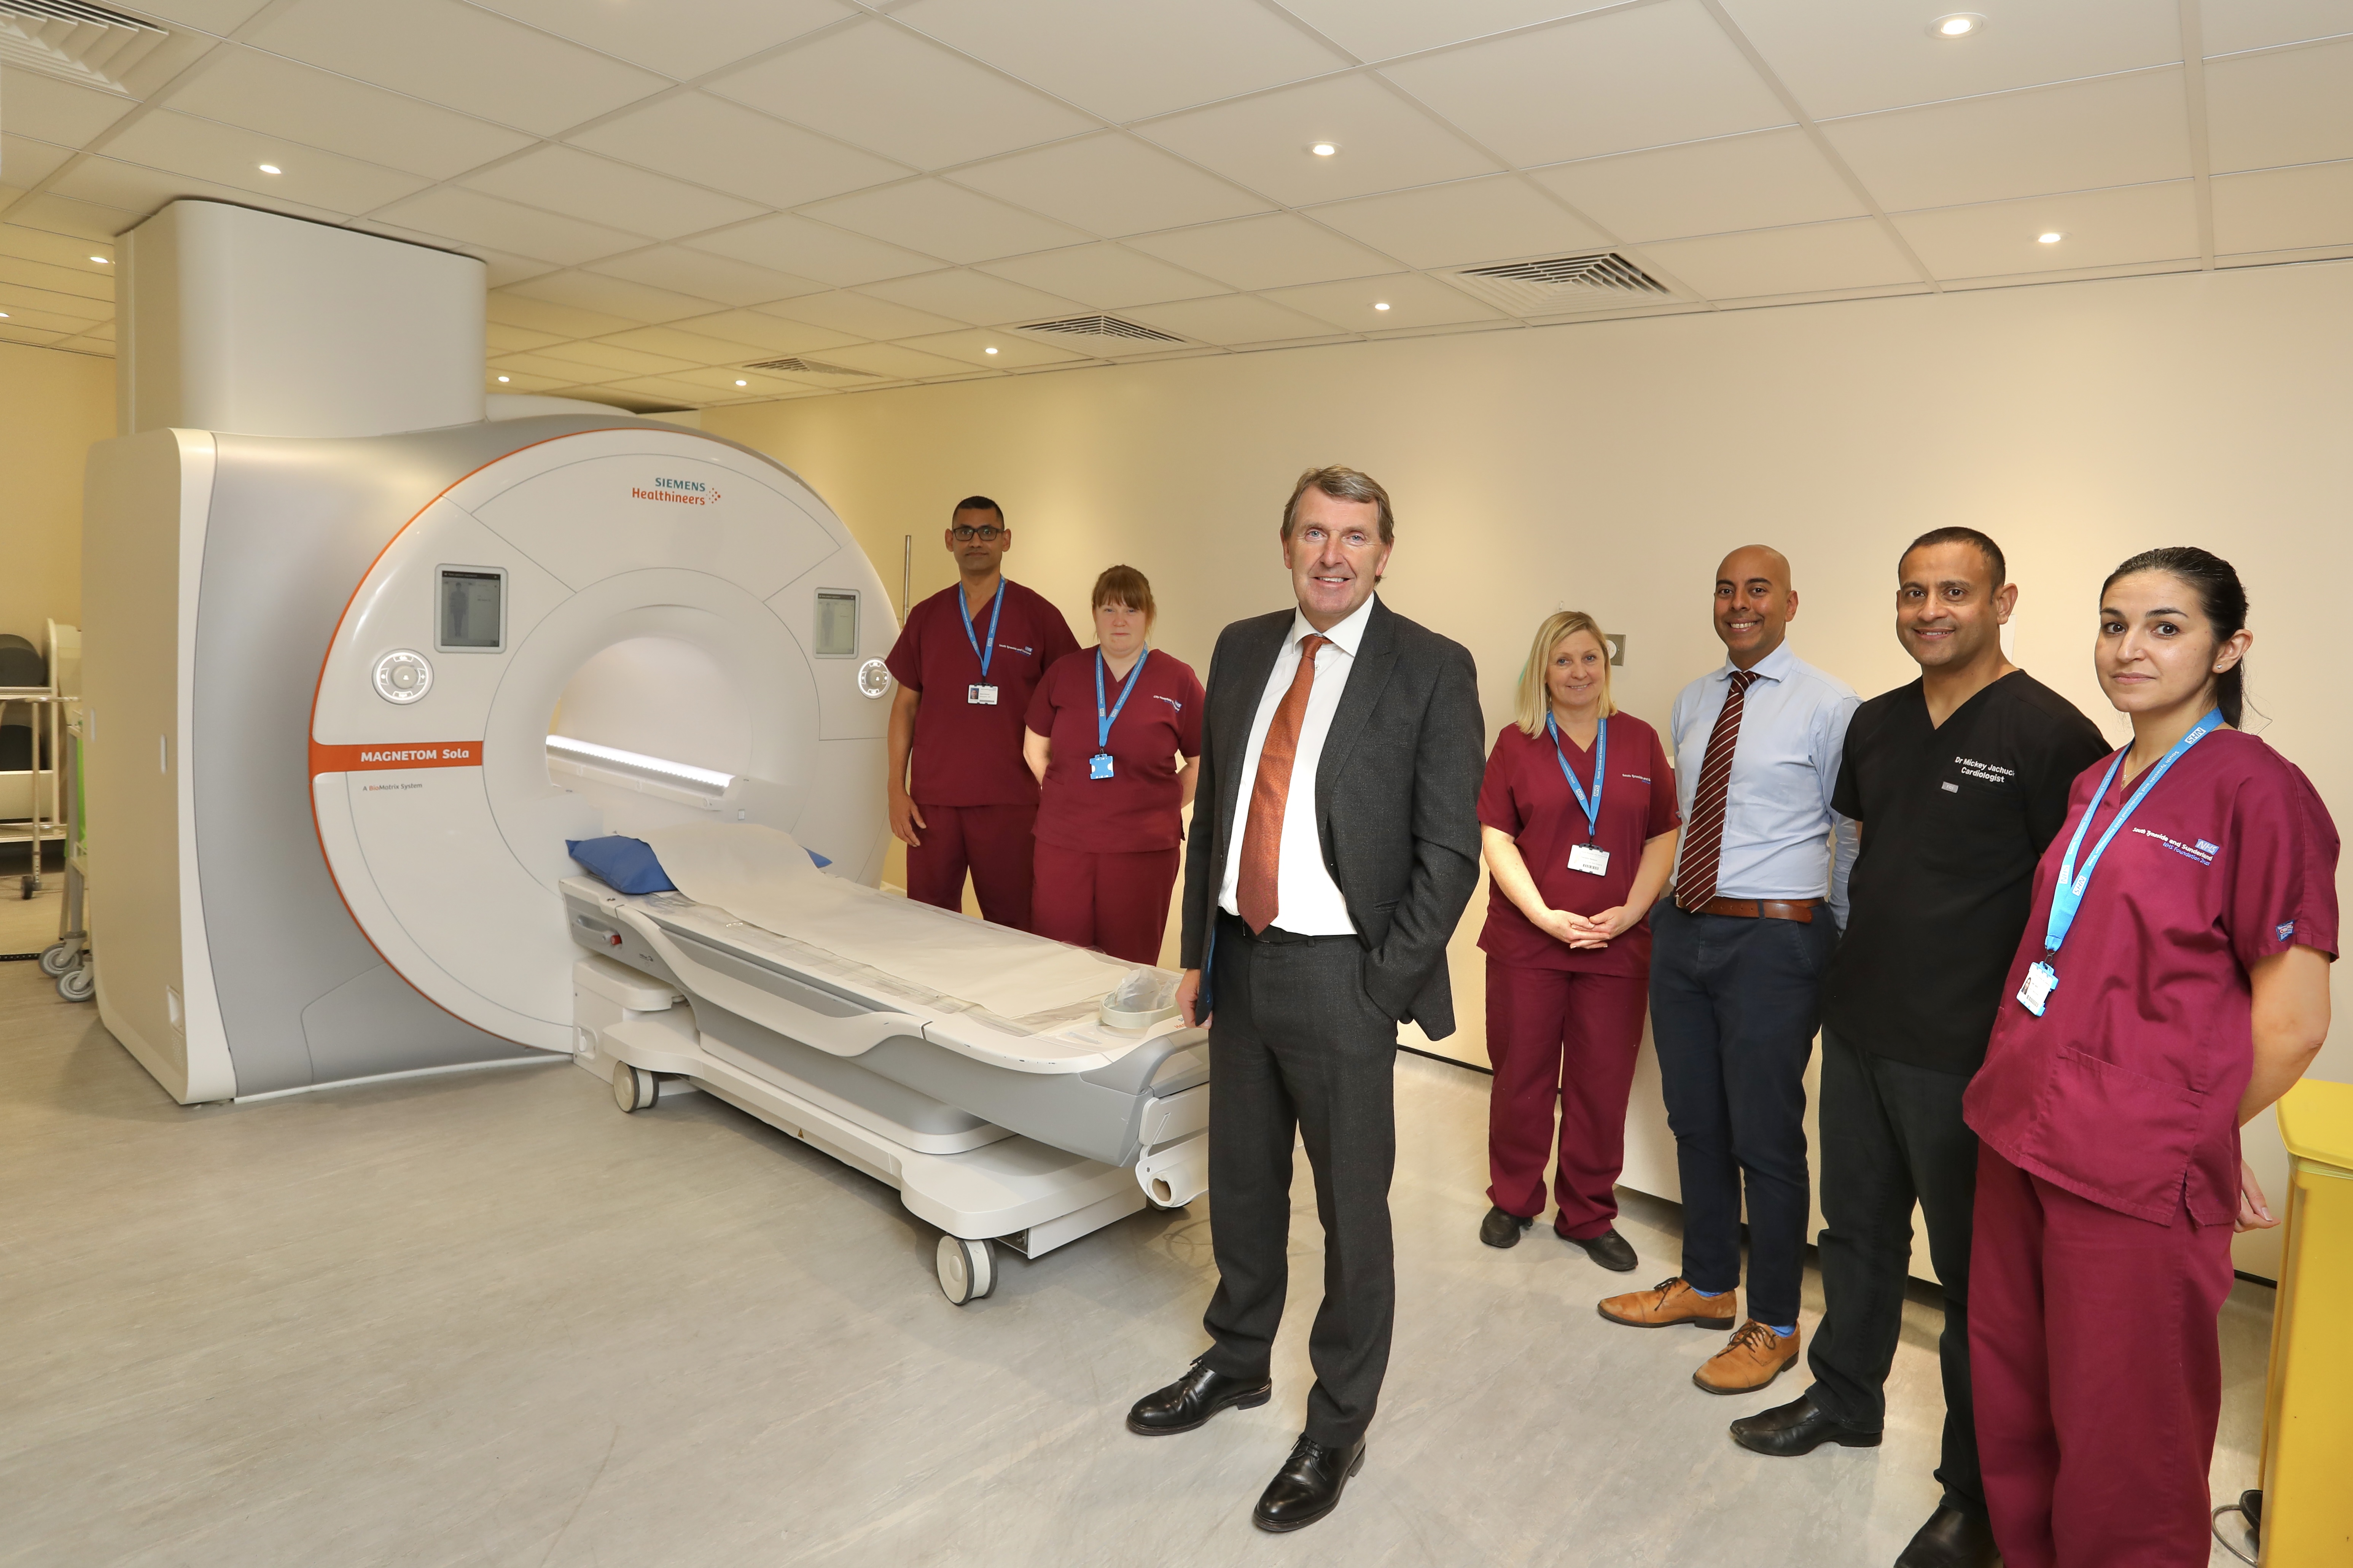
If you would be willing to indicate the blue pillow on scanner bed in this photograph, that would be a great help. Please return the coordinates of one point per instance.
(630, 864)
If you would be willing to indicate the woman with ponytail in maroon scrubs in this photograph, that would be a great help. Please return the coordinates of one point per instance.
(2187, 990)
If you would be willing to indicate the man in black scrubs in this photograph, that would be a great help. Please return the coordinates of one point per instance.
(1959, 780)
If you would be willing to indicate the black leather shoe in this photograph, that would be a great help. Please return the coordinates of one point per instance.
(1501, 1229)
(1951, 1539)
(1798, 1427)
(1189, 1402)
(1308, 1486)
(1610, 1249)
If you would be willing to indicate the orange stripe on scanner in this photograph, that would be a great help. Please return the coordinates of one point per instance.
(388, 754)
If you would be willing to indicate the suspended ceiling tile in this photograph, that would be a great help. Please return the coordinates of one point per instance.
(539, 316)
(729, 147)
(81, 308)
(681, 38)
(1232, 321)
(284, 98)
(699, 272)
(612, 297)
(1611, 83)
(880, 85)
(86, 282)
(498, 268)
(63, 215)
(1381, 29)
(1265, 252)
(514, 382)
(613, 358)
(506, 340)
(479, 219)
(1384, 144)
(1851, 57)
(859, 313)
(1140, 58)
(2097, 229)
(1815, 259)
(42, 107)
(655, 391)
(231, 156)
(55, 250)
(810, 249)
(1767, 179)
(1104, 276)
(547, 367)
(684, 344)
(459, 55)
(140, 190)
(24, 163)
(2292, 107)
(964, 295)
(1412, 299)
(103, 332)
(29, 312)
(740, 384)
(583, 185)
(2117, 131)
(1014, 352)
(2283, 210)
(1493, 219)
(1112, 184)
(2231, 26)
(944, 220)
(39, 337)
(890, 359)
(210, 15)
(764, 335)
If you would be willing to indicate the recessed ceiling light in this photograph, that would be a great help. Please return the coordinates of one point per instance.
(502, 380)
(2051, 237)
(100, 259)
(1323, 149)
(742, 383)
(272, 169)
(3, 315)
(1382, 305)
(989, 351)
(1958, 24)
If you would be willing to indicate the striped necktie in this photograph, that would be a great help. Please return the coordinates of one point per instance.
(1703, 834)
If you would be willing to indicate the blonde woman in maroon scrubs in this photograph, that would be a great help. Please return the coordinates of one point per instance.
(2187, 991)
(1108, 728)
(1578, 821)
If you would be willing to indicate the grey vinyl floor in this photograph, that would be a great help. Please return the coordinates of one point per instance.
(485, 1319)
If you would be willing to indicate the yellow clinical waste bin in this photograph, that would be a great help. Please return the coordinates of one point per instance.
(2307, 1501)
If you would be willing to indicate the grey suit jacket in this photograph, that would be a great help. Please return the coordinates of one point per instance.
(1396, 801)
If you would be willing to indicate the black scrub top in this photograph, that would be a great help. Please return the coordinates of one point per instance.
(1954, 818)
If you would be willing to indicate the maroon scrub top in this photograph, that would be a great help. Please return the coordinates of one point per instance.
(1137, 808)
(968, 753)
(1524, 795)
(2126, 1091)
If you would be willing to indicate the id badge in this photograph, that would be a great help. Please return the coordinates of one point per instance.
(1589, 857)
(2040, 980)
(980, 694)
(1099, 766)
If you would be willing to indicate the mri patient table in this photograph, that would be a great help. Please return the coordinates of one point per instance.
(1028, 1132)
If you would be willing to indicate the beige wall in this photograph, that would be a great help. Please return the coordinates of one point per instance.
(52, 407)
(1607, 466)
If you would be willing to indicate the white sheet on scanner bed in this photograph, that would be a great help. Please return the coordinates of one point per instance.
(761, 876)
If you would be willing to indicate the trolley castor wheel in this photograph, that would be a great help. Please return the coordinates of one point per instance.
(968, 1270)
(59, 957)
(634, 1089)
(78, 984)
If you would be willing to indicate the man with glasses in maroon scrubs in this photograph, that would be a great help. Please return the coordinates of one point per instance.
(967, 662)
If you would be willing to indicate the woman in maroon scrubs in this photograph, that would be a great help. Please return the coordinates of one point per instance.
(2187, 991)
(1107, 727)
(1578, 819)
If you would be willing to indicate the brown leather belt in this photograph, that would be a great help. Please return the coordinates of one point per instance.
(1799, 910)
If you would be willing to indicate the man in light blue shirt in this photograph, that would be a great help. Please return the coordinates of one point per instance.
(1738, 957)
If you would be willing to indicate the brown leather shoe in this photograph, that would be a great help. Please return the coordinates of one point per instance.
(1756, 1356)
(1669, 1302)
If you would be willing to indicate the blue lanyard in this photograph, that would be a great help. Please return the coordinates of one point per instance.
(2068, 893)
(997, 608)
(1592, 808)
(1105, 717)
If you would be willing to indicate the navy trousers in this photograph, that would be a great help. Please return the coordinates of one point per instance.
(1733, 1006)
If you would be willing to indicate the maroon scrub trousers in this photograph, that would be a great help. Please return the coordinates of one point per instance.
(2108, 1171)
(1118, 903)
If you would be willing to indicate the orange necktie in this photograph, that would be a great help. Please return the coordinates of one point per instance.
(1257, 887)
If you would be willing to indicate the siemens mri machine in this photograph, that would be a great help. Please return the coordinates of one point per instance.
(348, 700)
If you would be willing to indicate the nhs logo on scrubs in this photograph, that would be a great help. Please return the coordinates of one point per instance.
(2201, 850)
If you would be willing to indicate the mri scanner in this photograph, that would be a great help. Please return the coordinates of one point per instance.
(350, 698)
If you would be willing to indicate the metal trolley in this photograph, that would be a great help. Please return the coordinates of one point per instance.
(68, 960)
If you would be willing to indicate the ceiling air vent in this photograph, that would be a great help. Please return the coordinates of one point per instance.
(1563, 283)
(1101, 327)
(80, 42)
(806, 367)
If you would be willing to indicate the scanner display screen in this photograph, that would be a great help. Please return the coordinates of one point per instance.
(472, 607)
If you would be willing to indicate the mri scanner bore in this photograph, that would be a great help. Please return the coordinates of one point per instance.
(554, 630)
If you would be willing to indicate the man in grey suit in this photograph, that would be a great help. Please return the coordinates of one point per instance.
(1335, 842)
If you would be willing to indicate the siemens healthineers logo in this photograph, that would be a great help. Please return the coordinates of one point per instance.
(676, 492)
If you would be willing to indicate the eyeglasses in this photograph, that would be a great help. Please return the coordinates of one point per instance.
(987, 533)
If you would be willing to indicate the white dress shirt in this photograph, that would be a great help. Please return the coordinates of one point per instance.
(1781, 839)
(1307, 900)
